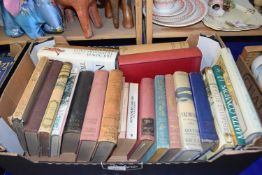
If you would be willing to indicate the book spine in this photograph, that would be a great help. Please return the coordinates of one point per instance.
(228, 103)
(247, 108)
(186, 112)
(111, 113)
(6, 64)
(173, 124)
(123, 113)
(85, 59)
(131, 132)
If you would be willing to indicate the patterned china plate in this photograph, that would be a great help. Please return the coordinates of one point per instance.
(179, 7)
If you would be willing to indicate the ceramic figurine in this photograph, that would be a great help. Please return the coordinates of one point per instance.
(112, 10)
(84, 9)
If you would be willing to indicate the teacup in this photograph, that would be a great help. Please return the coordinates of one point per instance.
(164, 4)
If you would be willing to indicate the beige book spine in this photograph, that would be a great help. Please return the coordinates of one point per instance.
(55, 99)
(111, 113)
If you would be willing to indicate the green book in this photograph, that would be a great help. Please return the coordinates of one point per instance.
(223, 90)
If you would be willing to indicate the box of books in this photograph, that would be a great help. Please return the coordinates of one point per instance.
(166, 108)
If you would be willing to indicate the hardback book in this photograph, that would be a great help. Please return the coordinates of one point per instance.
(76, 113)
(38, 109)
(146, 121)
(124, 147)
(140, 65)
(253, 126)
(46, 125)
(88, 58)
(173, 123)
(60, 119)
(108, 135)
(6, 63)
(161, 144)
(189, 131)
(221, 119)
(227, 99)
(93, 115)
(207, 130)
(21, 113)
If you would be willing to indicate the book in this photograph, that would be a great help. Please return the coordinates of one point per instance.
(140, 65)
(87, 59)
(207, 130)
(250, 116)
(227, 99)
(38, 109)
(221, 119)
(173, 123)
(46, 125)
(110, 120)
(123, 148)
(146, 121)
(189, 131)
(21, 113)
(76, 113)
(60, 119)
(93, 115)
(6, 63)
(161, 144)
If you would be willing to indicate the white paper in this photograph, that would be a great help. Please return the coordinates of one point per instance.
(210, 51)
(8, 139)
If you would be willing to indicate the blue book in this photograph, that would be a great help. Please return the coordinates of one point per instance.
(6, 64)
(161, 145)
(207, 131)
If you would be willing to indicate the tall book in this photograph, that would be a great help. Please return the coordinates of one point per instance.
(250, 116)
(87, 58)
(123, 148)
(189, 132)
(76, 113)
(207, 130)
(21, 113)
(46, 125)
(219, 114)
(161, 144)
(38, 109)
(173, 123)
(110, 120)
(93, 115)
(146, 120)
(140, 65)
(60, 119)
(227, 99)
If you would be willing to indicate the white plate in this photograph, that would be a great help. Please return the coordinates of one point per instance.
(178, 8)
(198, 15)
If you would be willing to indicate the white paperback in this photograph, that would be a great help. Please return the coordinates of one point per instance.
(91, 59)
(57, 130)
(250, 116)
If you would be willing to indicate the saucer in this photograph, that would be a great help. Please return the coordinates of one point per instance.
(178, 8)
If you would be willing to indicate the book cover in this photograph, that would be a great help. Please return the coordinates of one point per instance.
(46, 125)
(60, 119)
(6, 63)
(207, 131)
(140, 65)
(161, 144)
(93, 115)
(76, 112)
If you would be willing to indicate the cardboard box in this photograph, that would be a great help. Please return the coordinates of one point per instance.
(231, 163)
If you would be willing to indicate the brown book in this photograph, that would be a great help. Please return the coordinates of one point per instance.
(110, 119)
(76, 113)
(19, 117)
(38, 109)
(46, 126)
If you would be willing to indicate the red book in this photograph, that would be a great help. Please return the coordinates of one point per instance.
(140, 65)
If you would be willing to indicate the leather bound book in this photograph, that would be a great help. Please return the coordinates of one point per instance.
(38, 109)
(110, 119)
(173, 123)
(46, 126)
(207, 130)
(76, 113)
(140, 65)
(93, 115)
(146, 120)
(19, 117)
